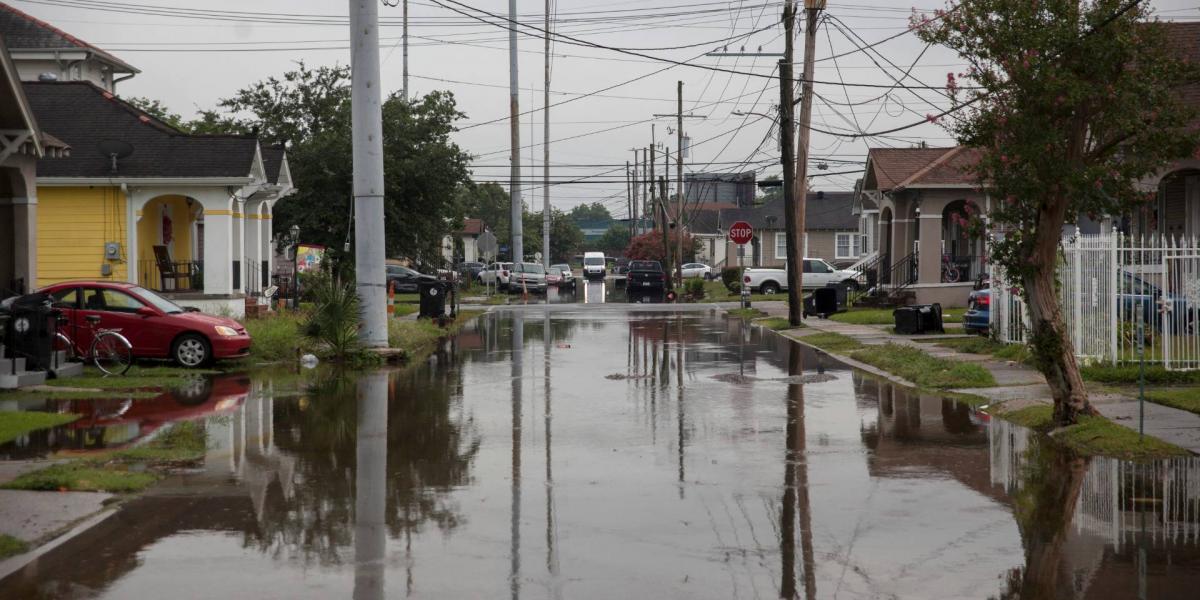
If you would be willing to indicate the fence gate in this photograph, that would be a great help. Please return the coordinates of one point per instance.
(1179, 306)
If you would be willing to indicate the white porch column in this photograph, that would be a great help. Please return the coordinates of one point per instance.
(268, 233)
(252, 229)
(24, 211)
(239, 246)
(133, 216)
(930, 262)
(218, 242)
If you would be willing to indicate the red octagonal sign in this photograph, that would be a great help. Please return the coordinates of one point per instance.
(741, 233)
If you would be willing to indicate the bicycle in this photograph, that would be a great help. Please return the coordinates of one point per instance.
(950, 273)
(110, 351)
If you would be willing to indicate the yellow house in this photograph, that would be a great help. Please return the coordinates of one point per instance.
(139, 201)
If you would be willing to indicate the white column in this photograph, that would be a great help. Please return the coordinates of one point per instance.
(268, 250)
(218, 242)
(239, 246)
(133, 216)
(252, 247)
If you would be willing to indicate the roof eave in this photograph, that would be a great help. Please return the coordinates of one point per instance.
(119, 179)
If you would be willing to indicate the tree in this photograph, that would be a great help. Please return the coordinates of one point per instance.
(489, 202)
(565, 235)
(590, 212)
(158, 110)
(649, 246)
(1071, 104)
(308, 112)
(614, 241)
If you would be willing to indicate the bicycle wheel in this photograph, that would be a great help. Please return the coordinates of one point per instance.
(64, 343)
(112, 353)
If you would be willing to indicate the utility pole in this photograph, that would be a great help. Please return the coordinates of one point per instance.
(514, 118)
(812, 9)
(546, 149)
(793, 222)
(679, 184)
(646, 176)
(666, 221)
(404, 42)
(633, 206)
(366, 113)
(629, 199)
(653, 191)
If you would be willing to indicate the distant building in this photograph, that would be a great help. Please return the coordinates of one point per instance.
(593, 229)
(703, 189)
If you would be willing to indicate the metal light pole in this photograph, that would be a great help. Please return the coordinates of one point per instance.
(366, 111)
(546, 149)
(517, 211)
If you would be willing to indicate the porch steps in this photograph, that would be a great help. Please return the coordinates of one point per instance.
(22, 379)
(13, 374)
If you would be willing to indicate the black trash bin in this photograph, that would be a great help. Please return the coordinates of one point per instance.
(825, 301)
(918, 318)
(931, 318)
(843, 293)
(433, 299)
(31, 328)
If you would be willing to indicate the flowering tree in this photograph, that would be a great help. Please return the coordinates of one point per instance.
(1070, 103)
(649, 246)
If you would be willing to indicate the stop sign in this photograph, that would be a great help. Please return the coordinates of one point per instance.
(741, 233)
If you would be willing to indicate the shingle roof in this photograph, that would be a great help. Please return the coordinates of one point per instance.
(894, 168)
(705, 222)
(273, 162)
(83, 115)
(26, 32)
(824, 211)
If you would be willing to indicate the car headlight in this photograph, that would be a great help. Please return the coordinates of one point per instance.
(226, 331)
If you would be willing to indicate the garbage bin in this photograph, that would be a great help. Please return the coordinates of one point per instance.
(825, 301)
(31, 328)
(918, 318)
(843, 293)
(433, 299)
(931, 318)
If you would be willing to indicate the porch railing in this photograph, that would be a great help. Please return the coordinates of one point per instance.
(903, 272)
(191, 280)
(965, 268)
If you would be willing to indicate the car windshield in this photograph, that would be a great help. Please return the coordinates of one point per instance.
(532, 268)
(555, 271)
(561, 267)
(593, 261)
(158, 301)
(645, 265)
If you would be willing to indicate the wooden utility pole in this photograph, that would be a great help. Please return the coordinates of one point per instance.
(646, 177)
(653, 191)
(793, 222)
(546, 150)
(679, 184)
(812, 10)
(517, 209)
(666, 223)
(634, 207)
(629, 199)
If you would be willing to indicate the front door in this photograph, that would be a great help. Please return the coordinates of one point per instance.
(117, 311)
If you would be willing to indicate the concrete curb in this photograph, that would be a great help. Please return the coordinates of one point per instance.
(16, 563)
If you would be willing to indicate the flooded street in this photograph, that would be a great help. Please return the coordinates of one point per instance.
(615, 452)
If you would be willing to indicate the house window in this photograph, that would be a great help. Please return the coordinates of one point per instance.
(781, 245)
(848, 245)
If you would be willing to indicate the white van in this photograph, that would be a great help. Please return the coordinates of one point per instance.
(593, 265)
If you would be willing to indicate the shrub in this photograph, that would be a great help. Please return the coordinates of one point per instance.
(276, 337)
(732, 278)
(333, 322)
(694, 288)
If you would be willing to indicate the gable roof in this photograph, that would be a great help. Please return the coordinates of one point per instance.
(15, 113)
(824, 211)
(83, 115)
(24, 31)
(273, 157)
(900, 168)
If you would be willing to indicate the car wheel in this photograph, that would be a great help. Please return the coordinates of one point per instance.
(191, 350)
(194, 392)
(769, 288)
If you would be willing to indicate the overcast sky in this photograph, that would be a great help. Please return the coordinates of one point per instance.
(191, 60)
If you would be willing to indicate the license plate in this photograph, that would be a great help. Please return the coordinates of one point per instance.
(645, 284)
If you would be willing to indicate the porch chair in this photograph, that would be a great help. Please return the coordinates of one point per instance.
(172, 271)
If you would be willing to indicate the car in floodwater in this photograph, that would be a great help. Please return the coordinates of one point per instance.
(527, 276)
(645, 280)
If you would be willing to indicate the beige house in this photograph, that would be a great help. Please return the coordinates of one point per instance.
(830, 227)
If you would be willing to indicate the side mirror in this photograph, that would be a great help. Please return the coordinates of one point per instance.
(146, 311)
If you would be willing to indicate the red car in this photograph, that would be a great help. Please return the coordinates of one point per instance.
(157, 327)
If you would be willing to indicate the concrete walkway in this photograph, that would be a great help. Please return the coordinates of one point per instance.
(1016, 382)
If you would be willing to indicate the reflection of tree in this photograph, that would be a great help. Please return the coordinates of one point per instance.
(429, 452)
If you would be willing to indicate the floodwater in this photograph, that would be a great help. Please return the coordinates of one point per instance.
(625, 452)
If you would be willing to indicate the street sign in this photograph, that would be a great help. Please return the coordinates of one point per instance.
(741, 233)
(487, 244)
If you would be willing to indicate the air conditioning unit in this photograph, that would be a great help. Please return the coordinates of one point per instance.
(112, 250)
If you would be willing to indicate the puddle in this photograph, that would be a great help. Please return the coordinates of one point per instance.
(508, 466)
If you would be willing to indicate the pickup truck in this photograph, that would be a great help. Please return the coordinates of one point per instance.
(817, 273)
(645, 277)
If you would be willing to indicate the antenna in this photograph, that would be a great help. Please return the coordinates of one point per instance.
(114, 149)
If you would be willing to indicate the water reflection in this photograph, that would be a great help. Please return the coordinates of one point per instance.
(661, 478)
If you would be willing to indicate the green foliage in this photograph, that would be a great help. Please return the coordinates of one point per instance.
(1128, 373)
(1095, 435)
(11, 546)
(158, 110)
(14, 424)
(333, 322)
(694, 288)
(1073, 103)
(565, 235)
(489, 202)
(745, 313)
(981, 345)
(185, 441)
(1182, 398)
(277, 337)
(883, 316)
(833, 342)
(82, 476)
(137, 378)
(776, 323)
(595, 211)
(1038, 416)
(731, 277)
(923, 369)
(614, 241)
(420, 336)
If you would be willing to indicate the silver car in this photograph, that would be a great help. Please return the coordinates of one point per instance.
(528, 276)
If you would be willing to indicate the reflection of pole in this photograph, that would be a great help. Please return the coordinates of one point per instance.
(680, 415)
(518, 348)
(370, 491)
(795, 489)
(551, 536)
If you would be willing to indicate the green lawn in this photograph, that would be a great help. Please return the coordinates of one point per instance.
(982, 345)
(82, 476)
(883, 316)
(777, 323)
(833, 342)
(138, 377)
(1182, 398)
(746, 313)
(1096, 436)
(715, 291)
(924, 370)
(15, 424)
(11, 546)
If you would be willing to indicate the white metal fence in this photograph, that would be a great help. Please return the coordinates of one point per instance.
(1109, 285)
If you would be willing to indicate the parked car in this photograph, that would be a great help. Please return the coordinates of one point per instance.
(692, 270)
(817, 274)
(528, 276)
(646, 278)
(155, 326)
(469, 271)
(567, 277)
(593, 265)
(977, 319)
(1137, 294)
(497, 274)
(406, 280)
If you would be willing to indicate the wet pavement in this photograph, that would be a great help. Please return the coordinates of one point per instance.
(620, 451)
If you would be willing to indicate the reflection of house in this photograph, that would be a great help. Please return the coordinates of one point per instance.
(832, 231)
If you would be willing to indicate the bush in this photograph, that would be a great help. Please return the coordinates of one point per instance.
(694, 288)
(276, 337)
(732, 278)
(333, 322)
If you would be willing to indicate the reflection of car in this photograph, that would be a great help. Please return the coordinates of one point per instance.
(566, 277)
(528, 276)
(977, 319)
(817, 274)
(691, 270)
(406, 280)
(496, 274)
(157, 327)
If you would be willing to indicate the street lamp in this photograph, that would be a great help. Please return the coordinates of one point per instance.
(295, 231)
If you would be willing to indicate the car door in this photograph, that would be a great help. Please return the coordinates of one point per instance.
(118, 312)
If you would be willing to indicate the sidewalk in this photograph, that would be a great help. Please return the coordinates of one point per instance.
(1015, 382)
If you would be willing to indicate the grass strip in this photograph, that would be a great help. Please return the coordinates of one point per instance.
(746, 313)
(833, 342)
(982, 345)
(277, 337)
(777, 323)
(11, 546)
(82, 476)
(416, 337)
(184, 442)
(1182, 398)
(923, 369)
(1128, 374)
(16, 424)
(1096, 436)
(883, 316)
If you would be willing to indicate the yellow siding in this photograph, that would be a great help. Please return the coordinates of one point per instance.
(150, 230)
(73, 225)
